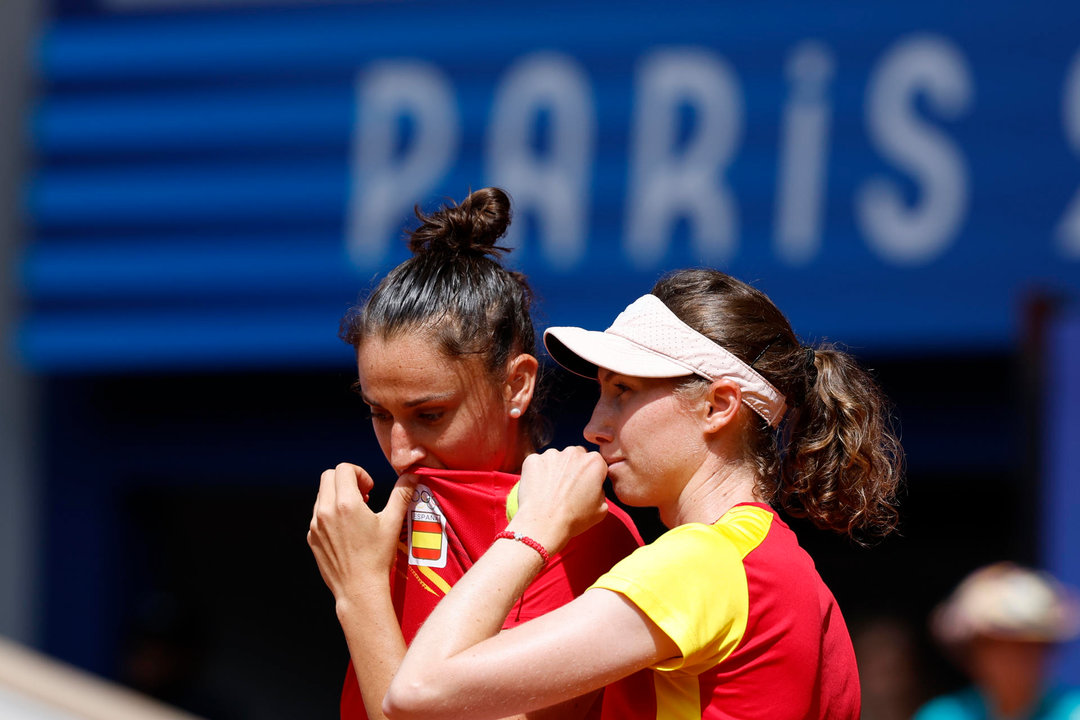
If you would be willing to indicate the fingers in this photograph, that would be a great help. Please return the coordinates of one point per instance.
(344, 492)
(573, 474)
(398, 502)
(573, 461)
(567, 454)
(353, 545)
(325, 500)
(351, 482)
(561, 494)
(364, 482)
(339, 490)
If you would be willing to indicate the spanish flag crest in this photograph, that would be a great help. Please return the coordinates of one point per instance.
(426, 530)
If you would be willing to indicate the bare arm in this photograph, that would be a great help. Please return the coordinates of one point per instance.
(566, 653)
(354, 548)
(460, 665)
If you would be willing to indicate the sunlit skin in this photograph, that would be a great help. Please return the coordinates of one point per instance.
(429, 410)
(683, 455)
(652, 441)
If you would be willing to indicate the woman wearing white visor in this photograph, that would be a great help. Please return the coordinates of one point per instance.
(712, 411)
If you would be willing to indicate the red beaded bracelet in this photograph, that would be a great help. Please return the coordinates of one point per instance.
(525, 540)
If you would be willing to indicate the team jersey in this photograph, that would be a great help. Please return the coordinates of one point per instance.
(759, 634)
(452, 519)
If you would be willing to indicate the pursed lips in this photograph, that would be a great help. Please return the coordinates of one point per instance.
(613, 461)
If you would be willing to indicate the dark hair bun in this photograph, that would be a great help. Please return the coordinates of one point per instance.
(469, 228)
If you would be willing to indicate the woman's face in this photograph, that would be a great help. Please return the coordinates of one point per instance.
(648, 436)
(1013, 667)
(430, 410)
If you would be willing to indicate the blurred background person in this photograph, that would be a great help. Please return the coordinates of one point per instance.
(1002, 625)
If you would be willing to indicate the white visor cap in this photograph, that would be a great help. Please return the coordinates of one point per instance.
(648, 340)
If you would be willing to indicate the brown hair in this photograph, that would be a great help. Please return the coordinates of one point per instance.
(836, 459)
(455, 288)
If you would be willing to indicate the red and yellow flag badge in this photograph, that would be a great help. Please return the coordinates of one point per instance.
(427, 530)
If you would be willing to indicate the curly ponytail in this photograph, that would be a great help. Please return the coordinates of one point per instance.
(842, 464)
(836, 459)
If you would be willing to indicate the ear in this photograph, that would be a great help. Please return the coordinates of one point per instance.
(722, 401)
(521, 374)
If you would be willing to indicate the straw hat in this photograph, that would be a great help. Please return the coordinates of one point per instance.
(1008, 602)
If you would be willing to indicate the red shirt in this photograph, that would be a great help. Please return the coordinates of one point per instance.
(453, 518)
(759, 633)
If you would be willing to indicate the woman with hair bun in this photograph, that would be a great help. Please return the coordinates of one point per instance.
(710, 410)
(445, 352)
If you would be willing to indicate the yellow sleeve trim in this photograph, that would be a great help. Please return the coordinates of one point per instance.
(692, 584)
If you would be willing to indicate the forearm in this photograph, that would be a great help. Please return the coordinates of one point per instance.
(565, 654)
(474, 611)
(376, 645)
(354, 548)
(480, 601)
(460, 665)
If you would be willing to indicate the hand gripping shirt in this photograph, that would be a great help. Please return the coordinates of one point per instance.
(452, 519)
(759, 634)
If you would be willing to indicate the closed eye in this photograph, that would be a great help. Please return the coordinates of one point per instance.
(431, 416)
(614, 389)
(377, 414)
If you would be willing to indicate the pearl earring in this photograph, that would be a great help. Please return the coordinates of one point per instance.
(515, 412)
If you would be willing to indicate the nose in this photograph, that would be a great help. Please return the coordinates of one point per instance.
(405, 452)
(598, 430)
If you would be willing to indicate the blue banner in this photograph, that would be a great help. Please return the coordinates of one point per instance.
(214, 188)
(1060, 534)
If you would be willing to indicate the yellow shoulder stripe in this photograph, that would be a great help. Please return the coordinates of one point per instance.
(746, 526)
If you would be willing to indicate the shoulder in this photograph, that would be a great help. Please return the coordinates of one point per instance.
(746, 526)
(693, 538)
(686, 557)
(692, 585)
(733, 536)
(696, 553)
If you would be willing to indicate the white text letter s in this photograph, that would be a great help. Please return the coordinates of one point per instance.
(916, 234)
